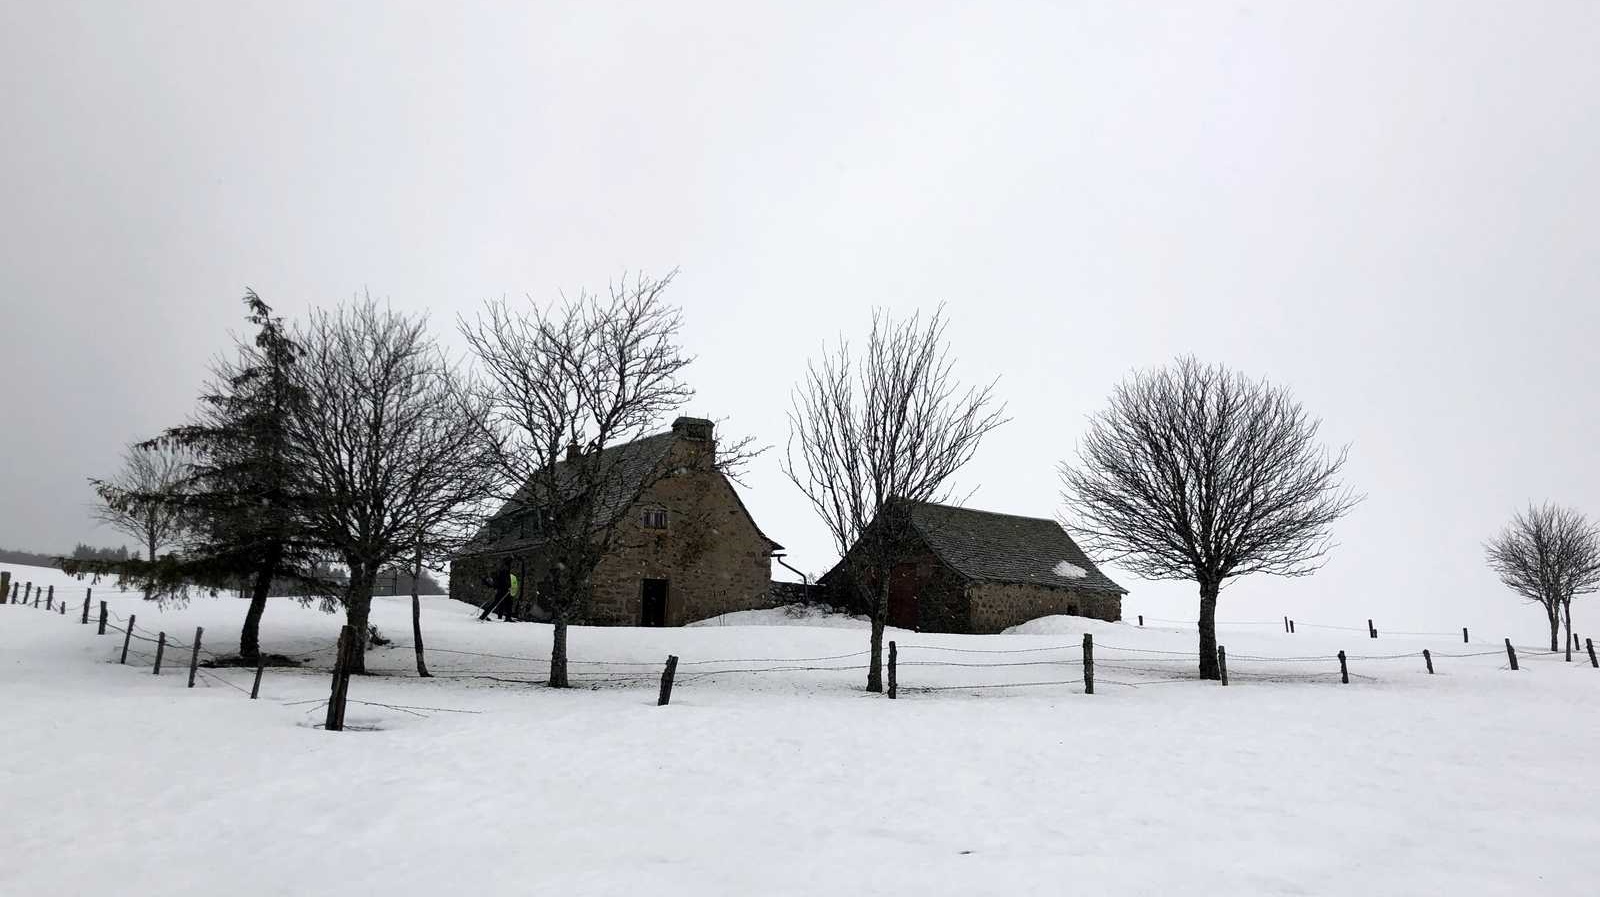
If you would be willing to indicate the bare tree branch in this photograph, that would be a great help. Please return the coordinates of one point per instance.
(387, 437)
(1548, 555)
(1196, 472)
(561, 385)
(865, 437)
(143, 500)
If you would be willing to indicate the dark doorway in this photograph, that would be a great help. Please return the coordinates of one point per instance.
(903, 610)
(653, 603)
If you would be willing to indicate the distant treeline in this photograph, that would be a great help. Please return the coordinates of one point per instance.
(36, 559)
(390, 582)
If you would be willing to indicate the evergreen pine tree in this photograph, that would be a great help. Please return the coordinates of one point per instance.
(244, 500)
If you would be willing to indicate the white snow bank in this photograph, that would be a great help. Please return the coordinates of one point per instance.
(1286, 782)
(794, 615)
(1055, 624)
(1069, 571)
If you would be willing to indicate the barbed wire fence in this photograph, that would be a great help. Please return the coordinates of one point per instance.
(934, 668)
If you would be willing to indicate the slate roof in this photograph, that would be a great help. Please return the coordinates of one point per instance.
(982, 545)
(629, 471)
(630, 466)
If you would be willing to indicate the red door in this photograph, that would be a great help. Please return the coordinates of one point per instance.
(903, 597)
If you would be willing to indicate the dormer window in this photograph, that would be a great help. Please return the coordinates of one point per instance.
(655, 518)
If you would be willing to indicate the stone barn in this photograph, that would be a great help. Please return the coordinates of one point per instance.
(981, 572)
(686, 548)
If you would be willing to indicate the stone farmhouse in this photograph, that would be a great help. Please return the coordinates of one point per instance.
(981, 572)
(686, 548)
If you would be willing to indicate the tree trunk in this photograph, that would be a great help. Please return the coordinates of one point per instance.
(1208, 631)
(250, 635)
(1555, 628)
(880, 612)
(152, 559)
(416, 618)
(558, 651)
(358, 610)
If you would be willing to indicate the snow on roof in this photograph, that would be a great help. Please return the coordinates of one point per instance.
(984, 545)
(1069, 571)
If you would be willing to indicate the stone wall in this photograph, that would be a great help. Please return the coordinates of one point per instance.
(942, 602)
(996, 606)
(467, 576)
(941, 594)
(712, 555)
(714, 559)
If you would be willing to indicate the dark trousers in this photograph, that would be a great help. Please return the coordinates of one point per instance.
(500, 599)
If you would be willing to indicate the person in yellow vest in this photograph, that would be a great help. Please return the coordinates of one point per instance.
(501, 584)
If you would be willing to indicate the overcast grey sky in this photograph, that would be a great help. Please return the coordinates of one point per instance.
(1388, 206)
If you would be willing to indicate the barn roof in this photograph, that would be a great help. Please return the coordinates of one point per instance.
(983, 545)
(629, 469)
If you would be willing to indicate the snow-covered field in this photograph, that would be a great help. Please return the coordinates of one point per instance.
(773, 773)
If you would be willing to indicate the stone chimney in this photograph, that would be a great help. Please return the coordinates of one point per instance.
(573, 452)
(697, 429)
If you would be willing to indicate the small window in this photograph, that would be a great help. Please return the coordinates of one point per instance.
(655, 518)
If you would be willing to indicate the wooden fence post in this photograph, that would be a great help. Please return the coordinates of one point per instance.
(194, 657)
(87, 594)
(27, 592)
(161, 648)
(14, 587)
(61, 609)
(1088, 663)
(893, 661)
(334, 722)
(1222, 663)
(255, 687)
(666, 681)
(5, 585)
(50, 599)
(1372, 631)
(1141, 619)
(1291, 627)
(127, 635)
(1463, 635)
(1344, 670)
(1512, 654)
(1285, 622)
(1428, 658)
(1589, 642)
(347, 659)
(102, 618)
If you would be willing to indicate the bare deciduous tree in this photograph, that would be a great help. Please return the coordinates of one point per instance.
(1195, 472)
(1548, 554)
(143, 499)
(386, 436)
(865, 440)
(562, 384)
